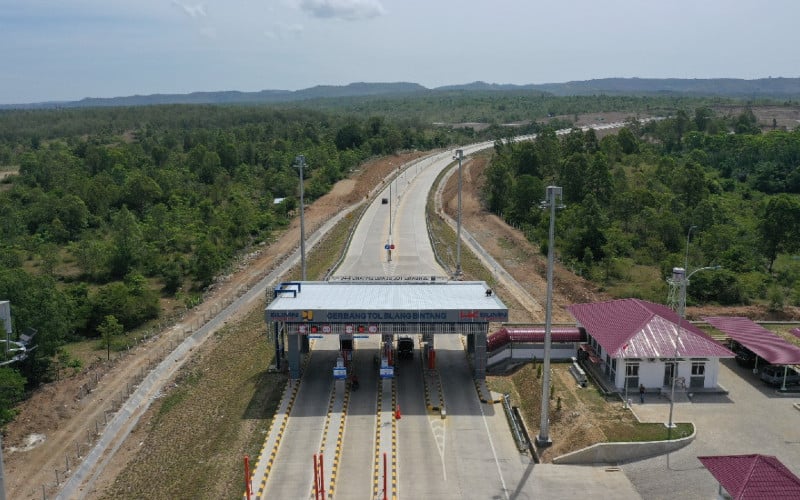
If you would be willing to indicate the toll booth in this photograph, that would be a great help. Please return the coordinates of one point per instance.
(386, 308)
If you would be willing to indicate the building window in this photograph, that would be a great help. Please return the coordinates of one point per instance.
(632, 375)
(698, 378)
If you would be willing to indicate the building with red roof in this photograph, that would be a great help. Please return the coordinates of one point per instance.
(752, 477)
(633, 342)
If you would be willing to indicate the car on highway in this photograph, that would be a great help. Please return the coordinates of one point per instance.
(774, 375)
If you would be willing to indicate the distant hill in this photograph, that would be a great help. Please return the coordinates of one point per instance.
(777, 88)
(774, 88)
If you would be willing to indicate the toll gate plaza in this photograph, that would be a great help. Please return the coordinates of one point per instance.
(353, 309)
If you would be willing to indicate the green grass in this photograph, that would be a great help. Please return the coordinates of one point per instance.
(641, 432)
(218, 410)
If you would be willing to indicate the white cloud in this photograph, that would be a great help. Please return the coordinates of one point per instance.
(343, 9)
(198, 10)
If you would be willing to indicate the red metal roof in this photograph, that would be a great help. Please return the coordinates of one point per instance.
(753, 477)
(634, 328)
(758, 339)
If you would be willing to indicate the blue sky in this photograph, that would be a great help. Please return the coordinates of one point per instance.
(70, 49)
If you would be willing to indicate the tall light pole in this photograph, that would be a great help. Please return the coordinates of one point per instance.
(300, 162)
(552, 202)
(680, 278)
(459, 155)
(389, 243)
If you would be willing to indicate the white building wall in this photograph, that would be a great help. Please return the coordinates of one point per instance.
(651, 373)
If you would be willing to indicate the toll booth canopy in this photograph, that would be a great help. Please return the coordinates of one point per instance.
(299, 309)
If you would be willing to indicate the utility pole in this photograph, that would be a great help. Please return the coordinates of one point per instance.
(552, 202)
(300, 162)
(459, 155)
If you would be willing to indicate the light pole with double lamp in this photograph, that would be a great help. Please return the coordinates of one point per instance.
(459, 155)
(680, 277)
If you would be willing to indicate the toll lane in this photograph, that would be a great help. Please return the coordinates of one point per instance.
(358, 453)
(422, 438)
(293, 474)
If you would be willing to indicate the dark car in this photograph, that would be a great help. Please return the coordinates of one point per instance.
(384, 201)
(774, 375)
(405, 347)
(745, 357)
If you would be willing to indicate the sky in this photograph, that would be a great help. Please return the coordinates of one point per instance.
(55, 50)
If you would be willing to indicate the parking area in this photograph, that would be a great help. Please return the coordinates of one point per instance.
(752, 418)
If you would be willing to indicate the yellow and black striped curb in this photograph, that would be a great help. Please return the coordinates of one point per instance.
(292, 386)
(478, 389)
(295, 387)
(394, 442)
(485, 400)
(428, 403)
(377, 466)
(339, 439)
(322, 445)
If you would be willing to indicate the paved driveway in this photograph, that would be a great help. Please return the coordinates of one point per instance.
(752, 418)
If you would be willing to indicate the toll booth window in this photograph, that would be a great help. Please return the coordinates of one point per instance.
(347, 344)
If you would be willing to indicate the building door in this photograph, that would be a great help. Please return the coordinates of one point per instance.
(669, 372)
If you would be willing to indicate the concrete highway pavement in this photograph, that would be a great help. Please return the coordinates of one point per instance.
(752, 418)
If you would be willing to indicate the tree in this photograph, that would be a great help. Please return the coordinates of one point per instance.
(627, 141)
(109, 329)
(498, 186)
(12, 388)
(127, 243)
(528, 192)
(779, 227)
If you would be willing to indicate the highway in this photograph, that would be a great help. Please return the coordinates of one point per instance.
(366, 256)
(471, 453)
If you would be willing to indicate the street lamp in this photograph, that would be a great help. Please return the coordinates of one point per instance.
(459, 155)
(300, 162)
(389, 242)
(552, 202)
(680, 277)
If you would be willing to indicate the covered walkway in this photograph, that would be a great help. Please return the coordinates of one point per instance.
(758, 339)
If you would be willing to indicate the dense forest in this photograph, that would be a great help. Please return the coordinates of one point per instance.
(637, 197)
(112, 211)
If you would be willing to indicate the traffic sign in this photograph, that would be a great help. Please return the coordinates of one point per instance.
(348, 328)
(326, 328)
(373, 328)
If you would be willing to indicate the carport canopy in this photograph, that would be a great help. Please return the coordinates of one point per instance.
(758, 339)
